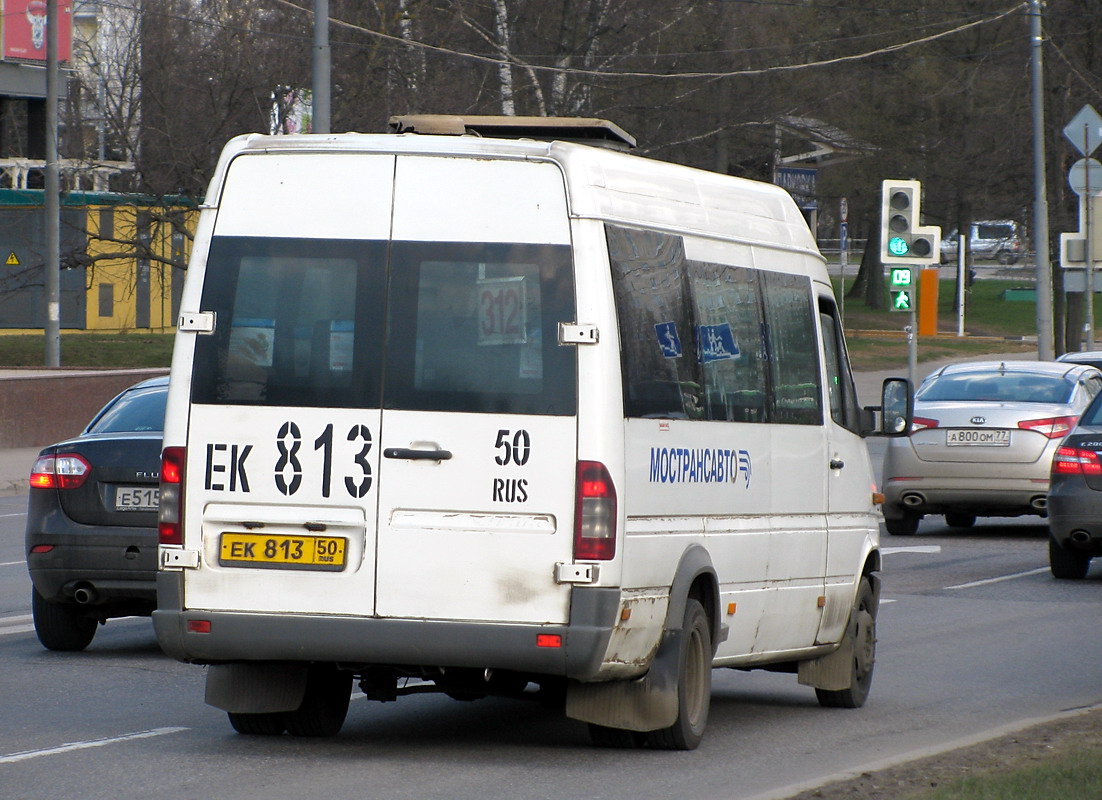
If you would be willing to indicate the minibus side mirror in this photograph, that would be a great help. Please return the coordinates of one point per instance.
(896, 410)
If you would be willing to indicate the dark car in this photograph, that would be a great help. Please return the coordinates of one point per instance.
(92, 520)
(1075, 498)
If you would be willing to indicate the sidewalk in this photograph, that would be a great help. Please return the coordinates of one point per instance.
(15, 463)
(15, 468)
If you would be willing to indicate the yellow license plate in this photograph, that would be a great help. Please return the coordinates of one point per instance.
(268, 551)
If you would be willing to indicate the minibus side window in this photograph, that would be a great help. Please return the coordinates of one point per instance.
(711, 341)
(731, 350)
(841, 392)
(793, 349)
(662, 377)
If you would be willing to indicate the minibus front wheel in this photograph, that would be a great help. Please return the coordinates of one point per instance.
(859, 647)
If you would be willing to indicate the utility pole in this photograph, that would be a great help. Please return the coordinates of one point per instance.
(52, 200)
(1045, 350)
(321, 71)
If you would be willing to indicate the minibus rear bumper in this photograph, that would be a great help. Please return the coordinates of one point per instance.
(574, 650)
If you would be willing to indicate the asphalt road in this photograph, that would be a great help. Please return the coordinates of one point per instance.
(974, 635)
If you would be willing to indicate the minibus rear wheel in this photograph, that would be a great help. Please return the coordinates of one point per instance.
(267, 724)
(325, 704)
(694, 684)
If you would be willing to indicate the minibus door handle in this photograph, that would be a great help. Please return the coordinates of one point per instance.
(408, 453)
(837, 463)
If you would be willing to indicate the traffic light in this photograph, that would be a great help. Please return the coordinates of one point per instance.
(900, 289)
(902, 239)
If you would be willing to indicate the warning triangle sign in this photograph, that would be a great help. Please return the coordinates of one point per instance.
(13, 259)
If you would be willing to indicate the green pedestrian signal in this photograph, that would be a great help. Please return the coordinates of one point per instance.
(901, 276)
(901, 300)
(898, 246)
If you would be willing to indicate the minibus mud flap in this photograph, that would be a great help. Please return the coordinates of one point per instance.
(648, 703)
(256, 688)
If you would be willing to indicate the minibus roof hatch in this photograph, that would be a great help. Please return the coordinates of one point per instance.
(587, 130)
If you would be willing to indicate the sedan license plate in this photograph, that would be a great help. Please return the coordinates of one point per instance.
(137, 498)
(967, 437)
(268, 551)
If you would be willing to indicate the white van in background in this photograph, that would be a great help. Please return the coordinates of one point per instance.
(496, 414)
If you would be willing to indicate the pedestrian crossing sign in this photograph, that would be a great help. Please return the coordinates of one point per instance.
(13, 259)
(902, 300)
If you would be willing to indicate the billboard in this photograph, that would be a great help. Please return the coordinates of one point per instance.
(24, 30)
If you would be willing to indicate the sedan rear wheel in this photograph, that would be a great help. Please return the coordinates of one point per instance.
(61, 626)
(906, 525)
(1067, 564)
(960, 520)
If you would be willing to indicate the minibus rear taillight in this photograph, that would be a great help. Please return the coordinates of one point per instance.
(594, 513)
(170, 522)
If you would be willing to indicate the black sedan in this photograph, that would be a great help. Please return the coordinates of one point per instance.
(1075, 497)
(92, 520)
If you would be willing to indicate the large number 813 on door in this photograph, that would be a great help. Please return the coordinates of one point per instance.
(281, 552)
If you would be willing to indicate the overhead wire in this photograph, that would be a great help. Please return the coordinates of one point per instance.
(711, 75)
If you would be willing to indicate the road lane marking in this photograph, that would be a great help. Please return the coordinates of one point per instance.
(26, 755)
(20, 514)
(16, 624)
(917, 548)
(12, 563)
(1000, 579)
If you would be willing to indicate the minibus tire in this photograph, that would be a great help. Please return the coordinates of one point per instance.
(694, 684)
(603, 736)
(61, 626)
(267, 724)
(325, 703)
(862, 633)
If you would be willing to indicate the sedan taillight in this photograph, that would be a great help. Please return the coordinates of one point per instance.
(921, 423)
(1050, 427)
(64, 471)
(1076, 461)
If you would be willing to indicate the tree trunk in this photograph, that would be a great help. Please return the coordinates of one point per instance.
(869, 283)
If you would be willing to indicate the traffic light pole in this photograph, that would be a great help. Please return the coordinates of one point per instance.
(912, 348)
(1089, 259)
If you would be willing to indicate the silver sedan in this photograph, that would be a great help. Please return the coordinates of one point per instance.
(982, 442)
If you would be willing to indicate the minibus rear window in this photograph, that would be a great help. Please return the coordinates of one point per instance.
(474, 327)
(467, 327)
(298, 323)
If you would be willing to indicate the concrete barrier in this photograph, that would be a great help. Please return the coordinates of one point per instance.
(41, 406)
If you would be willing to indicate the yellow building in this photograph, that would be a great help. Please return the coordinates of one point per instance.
(122, 260)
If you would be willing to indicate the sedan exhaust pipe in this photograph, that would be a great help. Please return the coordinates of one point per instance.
(1080, 538)
(1039, 503)
(913, 500)
(85, 595)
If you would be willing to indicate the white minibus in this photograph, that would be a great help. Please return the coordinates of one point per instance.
(480, 408)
